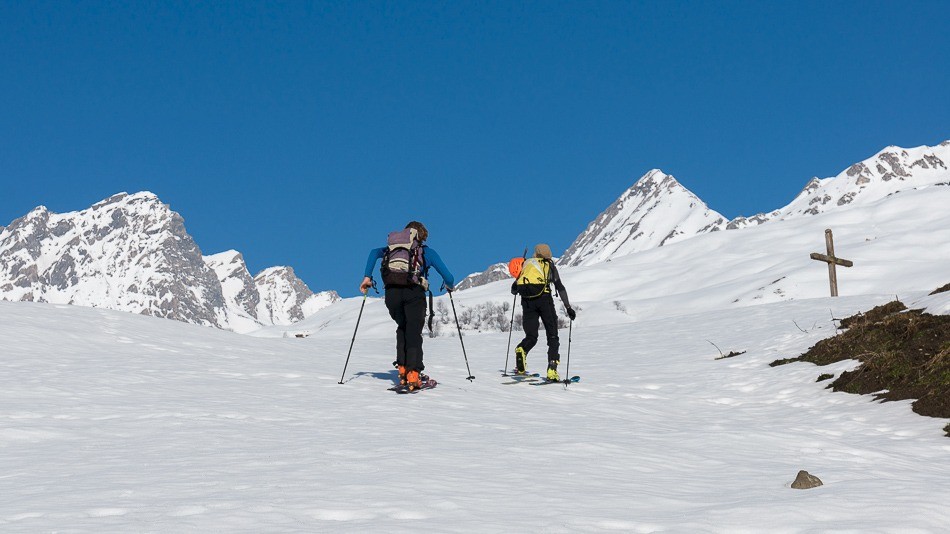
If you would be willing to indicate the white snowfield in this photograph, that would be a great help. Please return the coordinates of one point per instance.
(112, 422)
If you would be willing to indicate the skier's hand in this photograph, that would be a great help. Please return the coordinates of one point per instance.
(449, 288)
(367, 283)
(571, 313)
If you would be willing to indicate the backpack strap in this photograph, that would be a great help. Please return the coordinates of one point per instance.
(548, 279)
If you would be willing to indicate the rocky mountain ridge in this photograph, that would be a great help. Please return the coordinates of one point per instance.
(132, 253)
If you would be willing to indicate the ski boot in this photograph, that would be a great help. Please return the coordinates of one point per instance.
(401, 369)
(552, 371)
(521, 361)
(414, 380)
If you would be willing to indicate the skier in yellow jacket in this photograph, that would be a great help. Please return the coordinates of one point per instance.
(534, 285)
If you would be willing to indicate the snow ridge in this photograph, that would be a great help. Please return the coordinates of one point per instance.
(890, 171)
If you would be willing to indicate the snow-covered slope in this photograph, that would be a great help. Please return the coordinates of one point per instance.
(132, 253)
(113, 422)
(656, 211)
(899, 244)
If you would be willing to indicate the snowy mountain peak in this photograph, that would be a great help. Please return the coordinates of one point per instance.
(126, 253)
(228, 257)
(285, 299)
(142, 199)
(654, 183)
(655, 211)
(37, 212)
(495, 272)
(132, 253)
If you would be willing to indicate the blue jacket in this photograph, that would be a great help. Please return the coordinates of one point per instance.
(430, 256)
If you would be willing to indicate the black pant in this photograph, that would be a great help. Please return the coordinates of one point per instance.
(532, 309)
(407, 306)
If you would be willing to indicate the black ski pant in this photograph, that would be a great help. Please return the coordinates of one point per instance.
(407, 306)
(540, 308)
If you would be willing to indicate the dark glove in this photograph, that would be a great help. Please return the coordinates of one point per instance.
(514, 288)
(571, 313)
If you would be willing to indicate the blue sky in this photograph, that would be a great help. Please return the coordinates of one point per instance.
(301, 133)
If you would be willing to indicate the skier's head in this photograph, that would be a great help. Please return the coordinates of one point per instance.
(420, 230)
(541, 250)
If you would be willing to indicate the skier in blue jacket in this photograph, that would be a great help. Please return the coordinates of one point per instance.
(406, 303)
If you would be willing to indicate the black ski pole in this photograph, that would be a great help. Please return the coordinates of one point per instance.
(567, 371)
(354, 335)
(514, 303)
(511, 327)
(457, 325)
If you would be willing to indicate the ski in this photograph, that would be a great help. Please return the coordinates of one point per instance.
(525, 378)
(404, 389)
(574, 379)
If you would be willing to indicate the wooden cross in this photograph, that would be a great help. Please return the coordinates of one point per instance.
(831, 260)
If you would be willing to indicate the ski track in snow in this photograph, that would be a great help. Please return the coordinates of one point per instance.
(112, 422)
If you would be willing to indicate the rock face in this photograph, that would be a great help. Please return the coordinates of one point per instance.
(132, 253)
(285, 299)
(805, 480)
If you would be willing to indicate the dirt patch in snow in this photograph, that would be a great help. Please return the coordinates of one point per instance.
(905, 354)
(941, 289)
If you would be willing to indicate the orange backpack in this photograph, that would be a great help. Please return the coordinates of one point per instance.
(514, 267)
